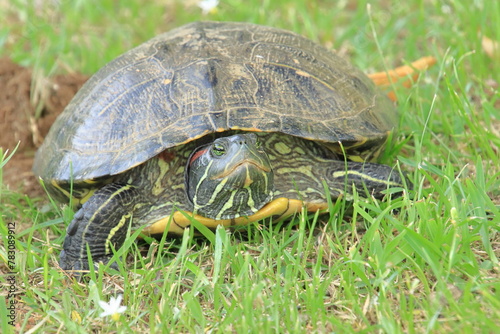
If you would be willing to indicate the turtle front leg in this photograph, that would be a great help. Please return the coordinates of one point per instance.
(101, 224)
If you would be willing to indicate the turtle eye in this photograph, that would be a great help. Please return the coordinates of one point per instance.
(218, 149)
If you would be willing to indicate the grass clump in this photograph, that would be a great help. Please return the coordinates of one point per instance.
(425, 262)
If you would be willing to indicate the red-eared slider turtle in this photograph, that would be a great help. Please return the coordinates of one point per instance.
(226, 122)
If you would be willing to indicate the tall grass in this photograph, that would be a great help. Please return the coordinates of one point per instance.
(425, 262)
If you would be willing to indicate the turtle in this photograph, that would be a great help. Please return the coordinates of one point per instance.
(227, 123)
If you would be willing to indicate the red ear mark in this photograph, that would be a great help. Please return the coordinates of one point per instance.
(167, 155)
(196, 155)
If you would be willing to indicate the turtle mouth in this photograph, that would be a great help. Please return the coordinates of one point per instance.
(242, 163)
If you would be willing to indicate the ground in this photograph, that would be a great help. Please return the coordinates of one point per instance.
(21, 94)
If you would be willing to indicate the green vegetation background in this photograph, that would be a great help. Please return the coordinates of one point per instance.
(427, 262)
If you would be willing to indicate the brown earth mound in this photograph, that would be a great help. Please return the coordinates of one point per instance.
(21, 95)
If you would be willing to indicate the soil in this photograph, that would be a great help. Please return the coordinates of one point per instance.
(22, 93)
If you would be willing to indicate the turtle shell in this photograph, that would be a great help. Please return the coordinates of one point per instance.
(208, 77)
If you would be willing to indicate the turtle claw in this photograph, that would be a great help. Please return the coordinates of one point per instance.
(78, 266)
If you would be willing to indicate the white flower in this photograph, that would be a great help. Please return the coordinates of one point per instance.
(112, 308)
(208, 6)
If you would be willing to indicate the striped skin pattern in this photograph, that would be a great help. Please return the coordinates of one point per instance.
(290, 167)
(230, 178)
(300, 167)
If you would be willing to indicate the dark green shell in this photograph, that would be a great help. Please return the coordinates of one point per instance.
(210, 77)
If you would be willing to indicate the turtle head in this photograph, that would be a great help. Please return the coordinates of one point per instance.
(229, 178)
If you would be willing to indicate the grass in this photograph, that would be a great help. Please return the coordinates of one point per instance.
(425, 262)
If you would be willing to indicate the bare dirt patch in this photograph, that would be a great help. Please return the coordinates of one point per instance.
(20, 96)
